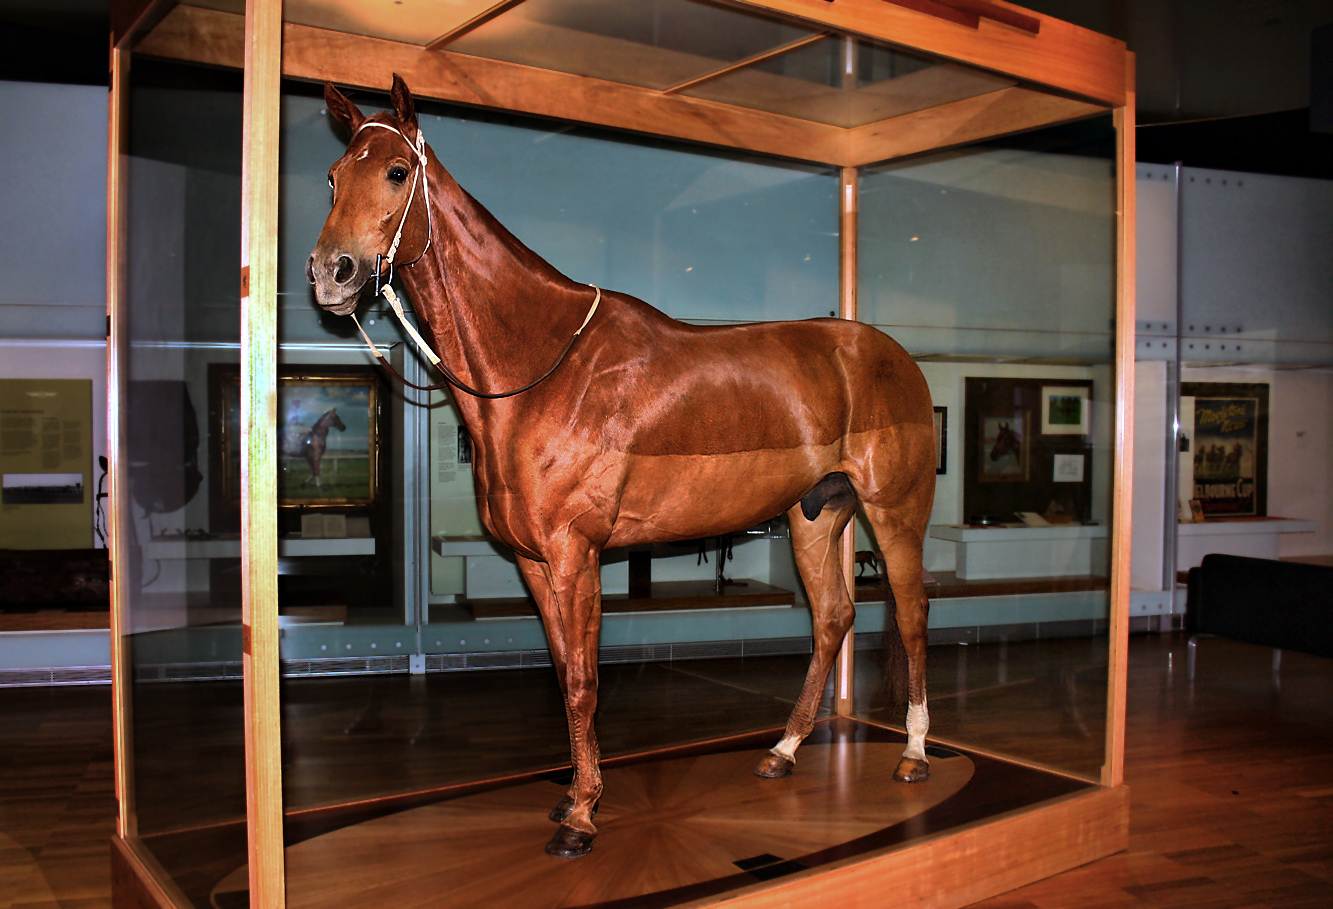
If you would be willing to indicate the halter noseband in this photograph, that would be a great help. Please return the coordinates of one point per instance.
(383, 287)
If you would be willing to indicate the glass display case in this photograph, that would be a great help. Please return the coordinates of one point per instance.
(333, 686)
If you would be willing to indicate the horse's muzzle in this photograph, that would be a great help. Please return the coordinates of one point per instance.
(335, 279)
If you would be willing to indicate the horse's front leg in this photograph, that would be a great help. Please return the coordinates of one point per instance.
(571, 611)
(537, 575)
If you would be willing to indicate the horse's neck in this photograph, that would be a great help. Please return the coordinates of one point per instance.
(496, 312)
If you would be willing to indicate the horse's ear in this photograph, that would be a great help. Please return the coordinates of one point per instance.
(403, 106)
(342, 110)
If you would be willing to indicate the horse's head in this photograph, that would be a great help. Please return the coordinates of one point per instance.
(380, 204)
(1006, 442)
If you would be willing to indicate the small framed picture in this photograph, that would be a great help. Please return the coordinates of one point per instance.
(941, 440)
(1196, 511)
(1067, 468)
(1065, 410)
(1003, 454)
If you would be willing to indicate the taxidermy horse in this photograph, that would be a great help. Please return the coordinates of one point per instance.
(314, 443)
(599, 422)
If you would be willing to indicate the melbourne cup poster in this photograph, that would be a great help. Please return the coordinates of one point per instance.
(1230, 450)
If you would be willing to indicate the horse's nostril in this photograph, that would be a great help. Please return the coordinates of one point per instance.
(344, 269)
(310, 269)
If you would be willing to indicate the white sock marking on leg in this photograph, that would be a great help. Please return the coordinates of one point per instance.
(787, 747)
(918, 723)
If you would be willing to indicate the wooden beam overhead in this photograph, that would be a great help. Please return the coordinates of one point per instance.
(216, 38)
(985, 9)
(480, 19)
(132, 19)
(1062, 56)
(998, 113)
(747, 62)
(318, 55)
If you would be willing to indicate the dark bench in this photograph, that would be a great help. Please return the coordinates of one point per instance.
(33, 579)
(1284, 605)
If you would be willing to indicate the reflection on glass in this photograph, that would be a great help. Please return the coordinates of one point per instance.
(844, 82)
(652, 43)
(183, 587)
(995, 266)
(1005, 250)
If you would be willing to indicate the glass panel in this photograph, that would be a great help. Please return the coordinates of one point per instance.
(845, 82)
(183, 221)
(652, 43)
(392, 20)
(1003, 258)
(995, 266)
(1250, 237)
(709, 237)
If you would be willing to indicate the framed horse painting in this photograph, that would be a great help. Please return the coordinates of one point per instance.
(328, 436)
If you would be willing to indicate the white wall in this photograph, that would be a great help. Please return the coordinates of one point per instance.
(53, 218)
(1252, 281)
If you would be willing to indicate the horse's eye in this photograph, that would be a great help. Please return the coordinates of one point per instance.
(398, 173)
(330, 181)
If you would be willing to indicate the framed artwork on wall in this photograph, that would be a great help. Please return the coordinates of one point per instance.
(1003, 456)
(1065, 410)
(1028, 449)
(328, 437)
(1230, 447)
(941, 440)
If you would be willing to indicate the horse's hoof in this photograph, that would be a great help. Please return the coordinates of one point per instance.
(774, 766)
(910, 770)
(561, 810)
(569, 843)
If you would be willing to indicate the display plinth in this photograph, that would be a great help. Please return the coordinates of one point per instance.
(954, 78)
(1061, 550)
(1258, 538)
(692, 825)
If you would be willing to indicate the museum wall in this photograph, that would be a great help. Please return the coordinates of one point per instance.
(1249, 294)
(53, 231)
(53, 223)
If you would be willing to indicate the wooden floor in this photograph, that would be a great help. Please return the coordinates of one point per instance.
(1231, 780)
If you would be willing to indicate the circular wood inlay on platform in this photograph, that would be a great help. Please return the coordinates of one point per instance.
(663, 826)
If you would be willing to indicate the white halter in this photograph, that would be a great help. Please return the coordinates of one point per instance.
(387, 291)
(419, 148)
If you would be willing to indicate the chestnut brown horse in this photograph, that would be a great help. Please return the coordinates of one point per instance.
(314, 443)
(639, 428)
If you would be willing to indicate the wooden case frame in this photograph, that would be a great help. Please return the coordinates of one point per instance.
(1061, 73)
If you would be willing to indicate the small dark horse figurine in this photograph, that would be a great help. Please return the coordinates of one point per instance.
(645, 430)
(314, 443)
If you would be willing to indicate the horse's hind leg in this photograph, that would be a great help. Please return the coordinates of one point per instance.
(815, 544)
(901, 547)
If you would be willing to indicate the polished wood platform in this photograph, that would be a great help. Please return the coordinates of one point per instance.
(673, 829)
(1231, 778)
